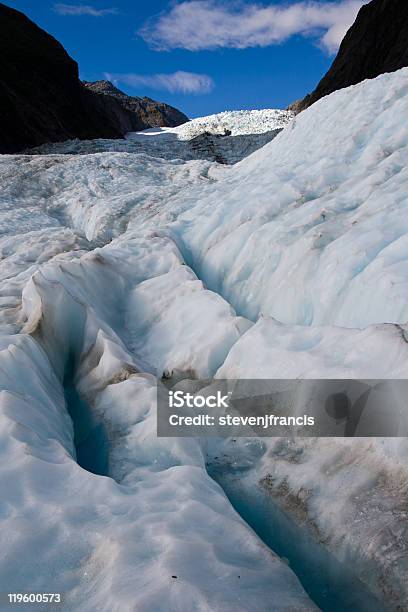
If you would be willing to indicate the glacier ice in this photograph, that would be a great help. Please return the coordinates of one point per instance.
(113, 543)
(237, 122)
(128, 263)
(226, 137)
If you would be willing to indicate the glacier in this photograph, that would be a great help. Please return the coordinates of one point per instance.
(226, 138)
(125, 263)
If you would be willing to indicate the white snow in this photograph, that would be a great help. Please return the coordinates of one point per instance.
(311, 229)
(272, 350)
(128, 263)
(237, 122)
(172, 314)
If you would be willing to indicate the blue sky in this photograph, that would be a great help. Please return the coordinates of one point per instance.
(202, 56)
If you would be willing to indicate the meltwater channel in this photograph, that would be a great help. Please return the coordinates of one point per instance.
(332, 585)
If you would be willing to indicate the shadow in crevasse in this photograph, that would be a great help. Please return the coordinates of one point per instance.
(228, 149)
(90, 437)
(331, 584)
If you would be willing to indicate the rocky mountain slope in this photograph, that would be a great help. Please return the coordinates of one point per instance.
(376, 43)
(43, 100)
(143, 112)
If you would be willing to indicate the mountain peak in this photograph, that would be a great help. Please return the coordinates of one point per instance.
(105, 87)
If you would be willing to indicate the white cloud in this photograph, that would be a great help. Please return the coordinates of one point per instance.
(184, 82)
(82, 9)
(211, 24)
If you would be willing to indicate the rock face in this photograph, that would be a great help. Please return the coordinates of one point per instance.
(143, 112)
(43, 100)
(376, 43)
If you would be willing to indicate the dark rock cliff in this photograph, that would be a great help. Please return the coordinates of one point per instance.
(377, 42)
(143, 112)
(43, 100)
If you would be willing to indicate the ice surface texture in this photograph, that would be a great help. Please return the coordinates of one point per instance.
(226, 138)
(236, 122)
(119, 266)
